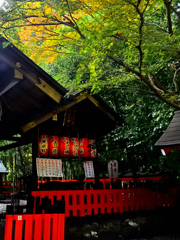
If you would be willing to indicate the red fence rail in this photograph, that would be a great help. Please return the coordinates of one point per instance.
(90, 202)
(15, 186)
(125, 179)
(10, 186)
(35, 227)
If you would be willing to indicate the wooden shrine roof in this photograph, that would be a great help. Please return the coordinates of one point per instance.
(29, 97)
(171, 136)
(21, 91)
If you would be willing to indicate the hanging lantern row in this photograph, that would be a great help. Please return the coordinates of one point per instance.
(66, 147)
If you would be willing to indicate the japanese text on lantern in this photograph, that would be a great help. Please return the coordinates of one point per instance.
(67, 145)
(64, 146)
(74, 147)
(54, 146)
(93, 151)
(43, 145)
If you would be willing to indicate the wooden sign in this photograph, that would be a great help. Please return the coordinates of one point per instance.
(70, 116)
(113, 169)
(49, 167)
(89, 169)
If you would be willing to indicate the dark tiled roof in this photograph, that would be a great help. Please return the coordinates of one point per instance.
(171, 136)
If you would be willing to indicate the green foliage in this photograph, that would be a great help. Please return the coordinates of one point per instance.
(114, 42)
(132, 144)
(18, 161)
(124, 50)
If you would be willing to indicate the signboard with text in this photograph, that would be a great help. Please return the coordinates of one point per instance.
(49, 167)
(113, 169)
(89, 169)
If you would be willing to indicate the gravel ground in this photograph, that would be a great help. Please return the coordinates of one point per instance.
(115, 236)
(106, 235)
(175, 237)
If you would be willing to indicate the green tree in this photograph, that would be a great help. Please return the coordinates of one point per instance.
(18, 161)
(126, 50)
(132, 144)
(116, 41)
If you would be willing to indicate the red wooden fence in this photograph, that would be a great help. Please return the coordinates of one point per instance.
(90, 202)
(7, 186)
(109, 180)
(34, 227)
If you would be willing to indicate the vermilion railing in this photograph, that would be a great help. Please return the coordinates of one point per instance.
(101, 201)
(105, 181)
(15, 186)
(35, 226)
(127, 179)
(108, 199)
(10, 186)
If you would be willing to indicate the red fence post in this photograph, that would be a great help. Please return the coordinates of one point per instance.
(39, 223)
(29, 230)
(88, 202)
(8, 227)
(61, 226)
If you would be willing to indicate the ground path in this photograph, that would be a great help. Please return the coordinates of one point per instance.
(148, 225)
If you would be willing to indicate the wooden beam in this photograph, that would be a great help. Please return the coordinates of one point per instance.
(14, 145)
(9, 86)
(18, 74)
(51, 92)
(11, 138)
(93, 100)
(41, 84)
(47, 116)
(13, 63)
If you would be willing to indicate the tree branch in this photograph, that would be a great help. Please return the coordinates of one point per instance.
(32, 24)
(160, 86)
(140, 29)
(25, 17)
(75, 23)
(174, 80)
(167, 3)
(147, 81)
(154, 86)
(133, 89)
(160, 27)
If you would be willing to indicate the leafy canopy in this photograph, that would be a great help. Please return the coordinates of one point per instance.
(117, 41)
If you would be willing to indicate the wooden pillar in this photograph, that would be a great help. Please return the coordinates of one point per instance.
(35, 154)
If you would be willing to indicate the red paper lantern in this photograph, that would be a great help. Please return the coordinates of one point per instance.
(83, 148)
(54, 146)
(43, 145)
(74, 147)
(64, 147)
(93, 151)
